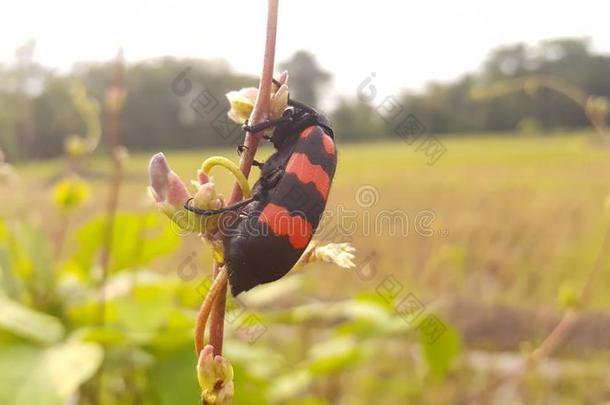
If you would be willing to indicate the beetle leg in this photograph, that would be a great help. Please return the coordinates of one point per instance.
(263, 125)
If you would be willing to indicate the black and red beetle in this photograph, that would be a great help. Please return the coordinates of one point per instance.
(274, 227)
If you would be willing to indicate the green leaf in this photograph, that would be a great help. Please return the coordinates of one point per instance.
(32, 256)
(333, 355)
(30, 324)
(145, 309)
(290, 385)
(440, 344)
(137, 239)
(173, 379)
(31, 375)
(249, 388)
(9, 284)
(261, 361)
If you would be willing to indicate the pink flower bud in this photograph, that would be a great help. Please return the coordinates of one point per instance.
(202, 177)
(165, 185)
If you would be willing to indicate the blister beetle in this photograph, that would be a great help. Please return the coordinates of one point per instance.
(273, 228)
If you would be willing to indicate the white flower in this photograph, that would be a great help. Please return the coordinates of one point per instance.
(341, 254)
(242, 103)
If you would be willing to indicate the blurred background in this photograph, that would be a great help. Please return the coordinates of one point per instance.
(473, 181)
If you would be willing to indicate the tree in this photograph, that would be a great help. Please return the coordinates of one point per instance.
(306, 77)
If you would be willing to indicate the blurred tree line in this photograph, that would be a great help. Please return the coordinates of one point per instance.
(173, 103)
(453, 108)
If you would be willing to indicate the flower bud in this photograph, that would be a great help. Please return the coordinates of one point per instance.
(242, 104)
(165, 185)
(202, 177)
(171, 195)
(215, 376)
(206, 197)
(242, 101)
(279, 102)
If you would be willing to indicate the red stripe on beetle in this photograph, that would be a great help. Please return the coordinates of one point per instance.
(296, 228)
(300, 165)
(329, 145)
(307, 131)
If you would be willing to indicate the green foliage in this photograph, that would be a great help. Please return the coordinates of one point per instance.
(33, 325)
(331, 338)
(136, 240)
(441, 353)
(40, 124)
(358, 121)
(173, 378)
(333, 355)
(46, 376)
(306, 77)
(31, 262)
(48, 359)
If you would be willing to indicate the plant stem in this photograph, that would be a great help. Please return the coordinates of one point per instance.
(251, 141)
(113, 130)
(219, 286)
(114, 144)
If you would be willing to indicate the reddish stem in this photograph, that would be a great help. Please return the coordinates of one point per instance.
(251, 141)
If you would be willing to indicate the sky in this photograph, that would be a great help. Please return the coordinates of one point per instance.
(405, 43)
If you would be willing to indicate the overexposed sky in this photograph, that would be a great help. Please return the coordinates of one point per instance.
(406, 43)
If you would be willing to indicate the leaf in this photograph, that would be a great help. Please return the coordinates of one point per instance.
(173, 379)
(32, 256)
(145, 309)
(261, 361)
(30, 324)
(138, 302)
(249, 388)
(333, 355)
(137, 239)
(32, 375)
(9, 284)
(440, 344)
(290, 385)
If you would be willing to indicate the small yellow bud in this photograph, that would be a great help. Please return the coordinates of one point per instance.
(71, 193)
(242, 102)
(215, 376)
(76, 146)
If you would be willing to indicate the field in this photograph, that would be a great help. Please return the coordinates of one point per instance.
(492, 238)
